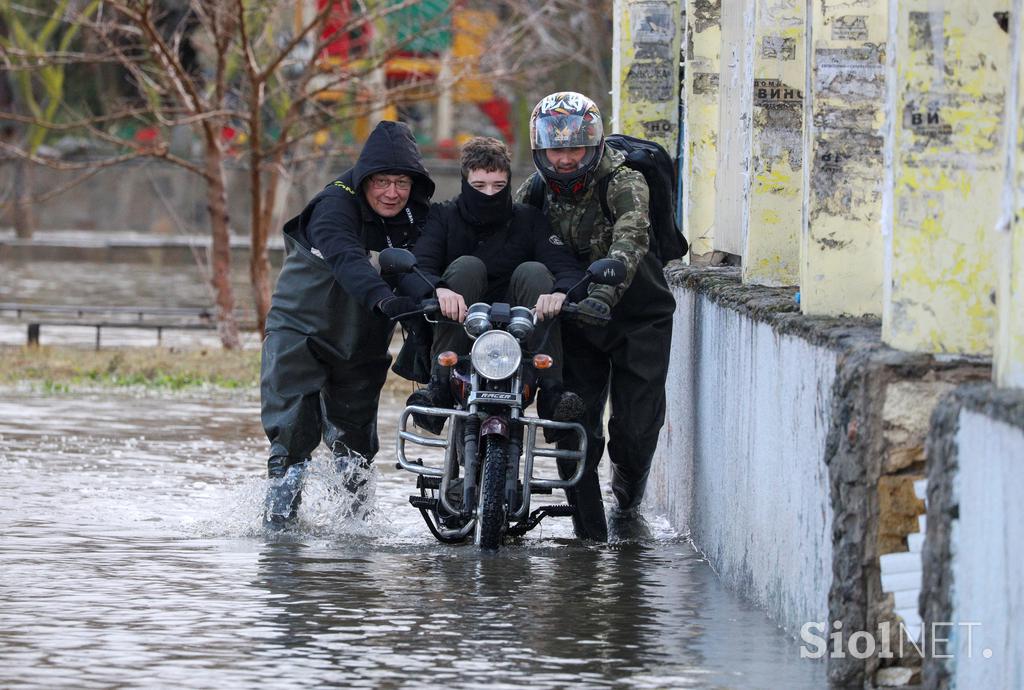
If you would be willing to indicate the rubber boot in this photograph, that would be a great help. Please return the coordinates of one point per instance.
(628, 525)
(284, 491)
(436, 394)
(588, 522)
(355, 472)
(556, 403)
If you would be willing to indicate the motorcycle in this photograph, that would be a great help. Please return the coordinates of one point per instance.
(484, 485)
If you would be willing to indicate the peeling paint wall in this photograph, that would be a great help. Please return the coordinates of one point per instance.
(742, 466)
(988, 552)
(974, 548)
(704, 38)
(732, 179)
(948, 162)
(645, 62)
(1009, 347)
(841, 241)
(772, 251)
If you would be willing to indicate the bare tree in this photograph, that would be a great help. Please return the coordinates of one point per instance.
(249, 73)
(39, 92)
(253, 67)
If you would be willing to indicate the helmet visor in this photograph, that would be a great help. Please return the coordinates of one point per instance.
(566, 131)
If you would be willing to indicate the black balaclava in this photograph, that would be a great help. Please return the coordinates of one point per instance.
(485, 210)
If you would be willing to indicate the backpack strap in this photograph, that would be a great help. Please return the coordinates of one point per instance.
(602, 191)
(587, 231)
(535, 196)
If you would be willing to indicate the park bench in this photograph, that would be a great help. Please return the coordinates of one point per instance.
(100, 317)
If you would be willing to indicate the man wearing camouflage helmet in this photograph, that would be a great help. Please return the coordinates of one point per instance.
(627, 358)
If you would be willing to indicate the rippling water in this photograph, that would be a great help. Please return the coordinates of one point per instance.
(131, 554)
(115, 284)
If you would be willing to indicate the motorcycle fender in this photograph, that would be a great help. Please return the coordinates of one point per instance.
(494, 425)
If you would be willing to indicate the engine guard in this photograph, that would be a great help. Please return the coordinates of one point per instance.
(530, 451)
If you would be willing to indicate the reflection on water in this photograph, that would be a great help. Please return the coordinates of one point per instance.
(118, 284)
(131, 555)
(115, 284)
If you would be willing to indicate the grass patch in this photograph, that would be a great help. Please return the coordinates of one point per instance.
(59, 369)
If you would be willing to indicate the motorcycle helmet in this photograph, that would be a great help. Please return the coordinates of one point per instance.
(566, 119)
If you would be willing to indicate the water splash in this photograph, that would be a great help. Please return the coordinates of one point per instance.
(339, 499)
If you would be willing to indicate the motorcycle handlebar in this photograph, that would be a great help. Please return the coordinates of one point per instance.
(428, 307)
(572, 309)
(431, 307)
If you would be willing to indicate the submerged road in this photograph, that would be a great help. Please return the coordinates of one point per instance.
(131, 554)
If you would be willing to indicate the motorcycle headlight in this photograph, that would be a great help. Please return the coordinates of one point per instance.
(496, 355)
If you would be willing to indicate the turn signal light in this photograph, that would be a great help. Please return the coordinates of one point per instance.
(447, 359)
(542, 361)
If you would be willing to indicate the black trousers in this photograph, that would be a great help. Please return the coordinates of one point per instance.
(467, 276)
(625, 362)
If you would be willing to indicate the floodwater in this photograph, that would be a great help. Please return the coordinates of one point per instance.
(131, 554)
(78, 283)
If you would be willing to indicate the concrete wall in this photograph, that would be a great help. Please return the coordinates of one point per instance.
(793, 455)
(742, 467)
(988, 548)
(974, 550)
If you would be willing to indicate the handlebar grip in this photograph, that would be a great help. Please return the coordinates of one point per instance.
(427, 307)
(430, 306)
(572, 309)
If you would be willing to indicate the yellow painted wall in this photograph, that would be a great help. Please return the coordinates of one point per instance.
(772, 252)
(1009, 346)
(952, 70)
(704, 35)
(646, 68)
(841, 250)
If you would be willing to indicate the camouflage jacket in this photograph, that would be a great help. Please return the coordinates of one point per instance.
(626, 240)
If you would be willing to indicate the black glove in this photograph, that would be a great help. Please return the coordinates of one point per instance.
(593, 311)
(396, 305)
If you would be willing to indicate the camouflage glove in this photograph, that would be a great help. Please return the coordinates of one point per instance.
(594, 310)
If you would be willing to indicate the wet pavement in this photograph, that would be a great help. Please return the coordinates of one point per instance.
(132, 555)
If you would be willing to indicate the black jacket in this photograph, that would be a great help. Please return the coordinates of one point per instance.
(342, 227)
(527, 236)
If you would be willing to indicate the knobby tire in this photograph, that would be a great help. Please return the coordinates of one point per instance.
(491, 521)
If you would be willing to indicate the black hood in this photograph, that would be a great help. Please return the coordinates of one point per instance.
(391, 147)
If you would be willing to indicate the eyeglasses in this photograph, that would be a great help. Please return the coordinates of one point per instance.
(402, 184)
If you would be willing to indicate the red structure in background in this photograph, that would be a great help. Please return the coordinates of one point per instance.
(343, 45)
(499, 110)
(347, 44)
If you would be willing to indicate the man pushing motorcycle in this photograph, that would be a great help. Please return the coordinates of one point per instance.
(628, 357)
(325, 355)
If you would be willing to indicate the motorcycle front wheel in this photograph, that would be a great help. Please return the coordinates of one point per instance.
(490, 522)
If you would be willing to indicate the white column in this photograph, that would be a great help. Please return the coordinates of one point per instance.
(951, 72)
(771, 255)
(841, 249)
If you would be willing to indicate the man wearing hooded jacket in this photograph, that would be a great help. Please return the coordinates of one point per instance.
(480, 247)
(325, 355)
